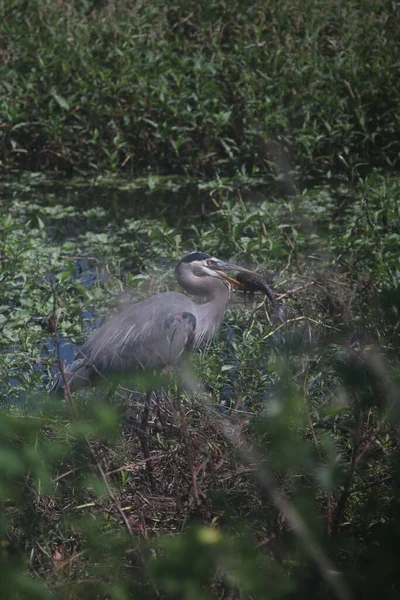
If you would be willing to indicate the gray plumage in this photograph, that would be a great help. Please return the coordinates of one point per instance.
(156, 332)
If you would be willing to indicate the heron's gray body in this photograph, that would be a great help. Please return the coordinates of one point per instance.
(151, 334)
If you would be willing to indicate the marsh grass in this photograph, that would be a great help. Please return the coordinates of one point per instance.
(317, 397)
(205, 89)
(256, 105)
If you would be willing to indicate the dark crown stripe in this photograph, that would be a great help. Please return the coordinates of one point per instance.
(195, 256)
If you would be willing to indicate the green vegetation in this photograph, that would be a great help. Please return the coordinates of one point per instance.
(199, 89)
(317, 396)
(261, 132)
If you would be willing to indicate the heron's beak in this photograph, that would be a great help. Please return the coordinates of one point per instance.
(230, 280)
(220, 266)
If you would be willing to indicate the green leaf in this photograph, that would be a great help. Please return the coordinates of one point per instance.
(61, 101)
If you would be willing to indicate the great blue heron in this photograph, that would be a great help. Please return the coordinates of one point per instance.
(156, 332)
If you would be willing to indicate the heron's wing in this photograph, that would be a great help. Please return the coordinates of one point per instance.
(148, 335)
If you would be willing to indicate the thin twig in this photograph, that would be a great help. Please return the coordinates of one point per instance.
(370, 441)
(295, 290)
(349, 479)
(189, 453)
(138, 464)
(144, 441)
(70, 402)
(314, 436)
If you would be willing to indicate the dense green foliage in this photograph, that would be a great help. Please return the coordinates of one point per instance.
(314, 395)
(258, 106)
(199, 88)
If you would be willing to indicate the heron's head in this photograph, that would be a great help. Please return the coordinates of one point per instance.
(195, 270)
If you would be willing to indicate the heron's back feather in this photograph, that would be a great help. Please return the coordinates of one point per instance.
(148, 335)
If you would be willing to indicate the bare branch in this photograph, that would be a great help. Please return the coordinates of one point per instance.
(266, 479)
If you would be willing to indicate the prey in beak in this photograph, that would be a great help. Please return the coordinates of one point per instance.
(248, 281)
(219, 267)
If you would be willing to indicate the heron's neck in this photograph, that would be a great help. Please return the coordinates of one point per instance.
(210, 313)
(216, 293)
